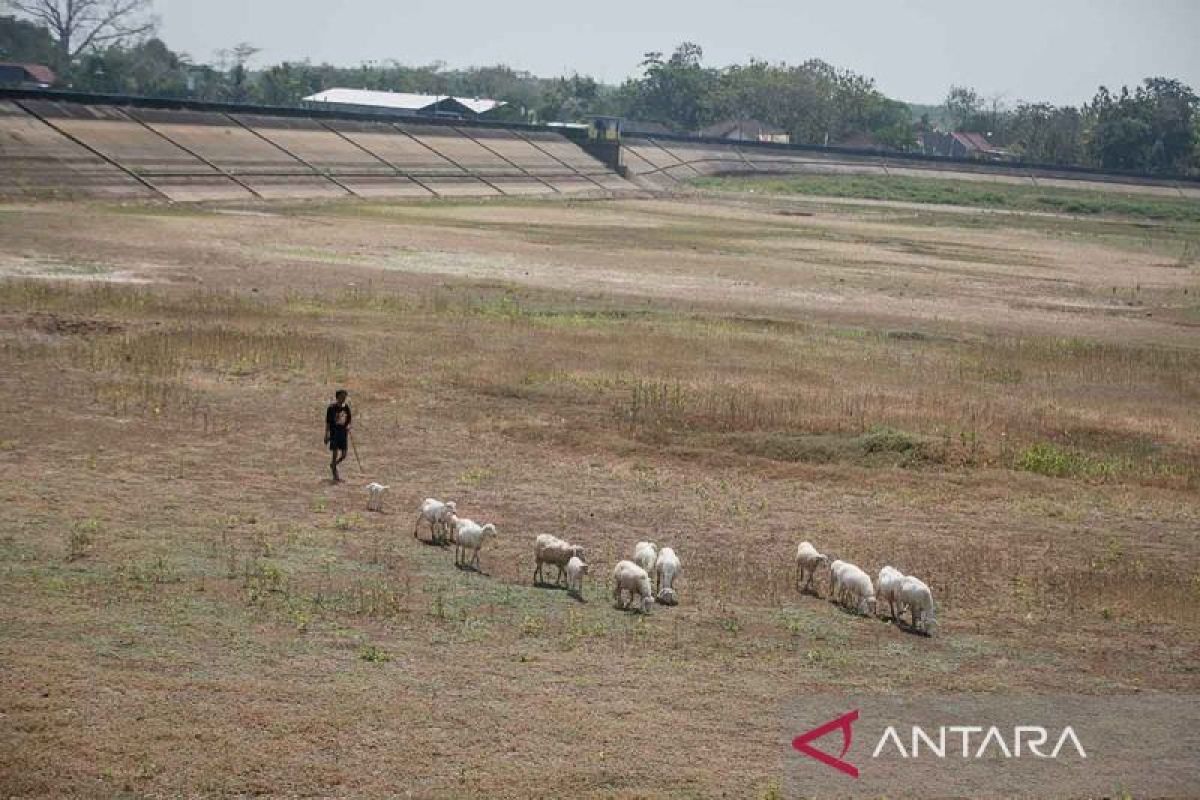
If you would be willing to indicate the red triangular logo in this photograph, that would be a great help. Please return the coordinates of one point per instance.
(844, 722)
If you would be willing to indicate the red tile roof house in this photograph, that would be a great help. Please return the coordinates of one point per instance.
(962, 145)
(26, 76)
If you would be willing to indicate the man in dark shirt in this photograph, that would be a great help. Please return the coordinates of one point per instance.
(337, 431)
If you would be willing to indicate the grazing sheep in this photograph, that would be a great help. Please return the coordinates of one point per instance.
(915, 596)
(375, 496)
(666, 570)
(644, 555)
(808, 560)
(835, 584)
(576, 569)
(855, 585)
(888, 585)
(629, 577)
(438, 516)
(470, 535)
(549, 549)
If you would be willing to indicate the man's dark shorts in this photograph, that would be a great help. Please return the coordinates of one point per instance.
(339, 439)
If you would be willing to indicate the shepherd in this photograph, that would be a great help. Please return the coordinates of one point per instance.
(337, 431)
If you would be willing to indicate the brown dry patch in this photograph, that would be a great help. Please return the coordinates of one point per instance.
(189, 608)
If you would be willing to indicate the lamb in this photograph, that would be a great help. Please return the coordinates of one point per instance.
(437, 515)
(576, 569)
(808, 560)
(914, 595)
(629, 577)
(470, 535)
(666, 570)
(855, 585)
(549, 549)
(890, 579)
(375, 496)
(644, 555)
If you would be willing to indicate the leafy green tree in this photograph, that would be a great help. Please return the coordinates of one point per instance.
(674, 91)
(1152, 128)
(569, 99)
(890, 124)
(966, 109)
(81, 26)
(237, 86)
(1172, 108)
(23, 41)
(149, 68)
(287, 83)
(1047, 134)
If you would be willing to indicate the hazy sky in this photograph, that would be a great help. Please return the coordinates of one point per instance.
(1057, 50)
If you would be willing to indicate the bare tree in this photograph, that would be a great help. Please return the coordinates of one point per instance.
(78, 25)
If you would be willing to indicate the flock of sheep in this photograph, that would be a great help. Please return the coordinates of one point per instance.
(849, 585)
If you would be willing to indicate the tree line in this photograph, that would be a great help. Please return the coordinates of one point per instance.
(108, 46)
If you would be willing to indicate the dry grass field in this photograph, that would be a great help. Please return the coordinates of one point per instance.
(1005, 405)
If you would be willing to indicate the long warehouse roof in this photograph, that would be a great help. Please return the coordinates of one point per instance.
(399, 100)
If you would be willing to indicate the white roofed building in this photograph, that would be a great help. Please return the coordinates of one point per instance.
(401, 103)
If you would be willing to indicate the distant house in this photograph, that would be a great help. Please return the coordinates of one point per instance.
(745, 130)
(26, 76)
(402, 103)
(961, 145)
(643, 127)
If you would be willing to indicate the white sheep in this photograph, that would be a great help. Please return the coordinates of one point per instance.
(375, 496)
(470, 535)
(629, 577)
(915, 596)
(576, 569)
(549, 549)
(888, 585)
(855, 585)
(666, 570)
(808, 560)
(644, 555)
(835, 572)
(437, 515)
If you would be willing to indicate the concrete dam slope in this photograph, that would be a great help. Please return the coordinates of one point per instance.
(667, 162)
(63, 144)
(125, 148)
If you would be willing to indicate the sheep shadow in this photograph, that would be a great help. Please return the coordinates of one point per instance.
(810, 591)
(633, 611)
(576, 596)
(906, 627)
(851, 612)
(472, 568)
(545, 585)
(433, 543)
